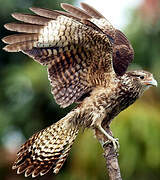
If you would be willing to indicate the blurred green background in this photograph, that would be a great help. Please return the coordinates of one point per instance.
(27, 106)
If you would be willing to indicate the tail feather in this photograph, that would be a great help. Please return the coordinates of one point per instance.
(47, 149)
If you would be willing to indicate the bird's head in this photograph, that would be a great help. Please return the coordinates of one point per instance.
(140, 79)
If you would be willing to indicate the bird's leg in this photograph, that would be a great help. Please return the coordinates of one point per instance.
(115, 141)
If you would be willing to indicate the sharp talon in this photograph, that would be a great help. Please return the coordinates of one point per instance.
(116, 145)
(115, 142)
(106, 143)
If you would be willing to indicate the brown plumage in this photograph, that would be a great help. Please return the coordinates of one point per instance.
(87, 59)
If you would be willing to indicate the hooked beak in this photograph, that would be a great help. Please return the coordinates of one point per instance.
(152, 82)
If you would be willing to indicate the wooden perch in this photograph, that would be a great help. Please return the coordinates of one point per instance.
(110, 155)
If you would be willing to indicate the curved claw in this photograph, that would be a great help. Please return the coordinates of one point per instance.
(115, 142)
(116, 145)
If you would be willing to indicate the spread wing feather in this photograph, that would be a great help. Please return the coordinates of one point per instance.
(32, 19)
(45, 12)
(75, 53)
(91, 11)
(25, 27)
(123, 53)
(76, 11)
(92, 15)
(15, 38)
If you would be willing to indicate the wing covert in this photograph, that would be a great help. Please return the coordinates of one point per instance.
(123, 53)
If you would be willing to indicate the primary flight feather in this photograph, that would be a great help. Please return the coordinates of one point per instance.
(87, 59)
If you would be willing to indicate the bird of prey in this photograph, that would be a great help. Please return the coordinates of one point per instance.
(87, 60)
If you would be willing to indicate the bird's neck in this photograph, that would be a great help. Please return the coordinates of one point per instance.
(125, 94)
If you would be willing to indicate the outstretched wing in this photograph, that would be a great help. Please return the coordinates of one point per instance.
(75, 53)
(123, 53)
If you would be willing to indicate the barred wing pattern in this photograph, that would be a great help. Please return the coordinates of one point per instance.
(123, 53)
(71, 50)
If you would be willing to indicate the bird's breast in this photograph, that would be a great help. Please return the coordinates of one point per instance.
(105, 104)
(118, 102)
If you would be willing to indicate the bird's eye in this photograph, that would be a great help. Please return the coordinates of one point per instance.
(141, 77)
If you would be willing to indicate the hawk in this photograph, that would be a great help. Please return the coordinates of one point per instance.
(87, 60)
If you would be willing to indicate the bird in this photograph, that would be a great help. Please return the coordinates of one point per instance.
(87, 60)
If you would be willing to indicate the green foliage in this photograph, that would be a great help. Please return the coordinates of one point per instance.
(27, 106)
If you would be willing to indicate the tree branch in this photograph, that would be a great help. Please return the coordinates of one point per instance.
(110, 155)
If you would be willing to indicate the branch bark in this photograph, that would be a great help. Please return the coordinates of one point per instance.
(110, 156)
